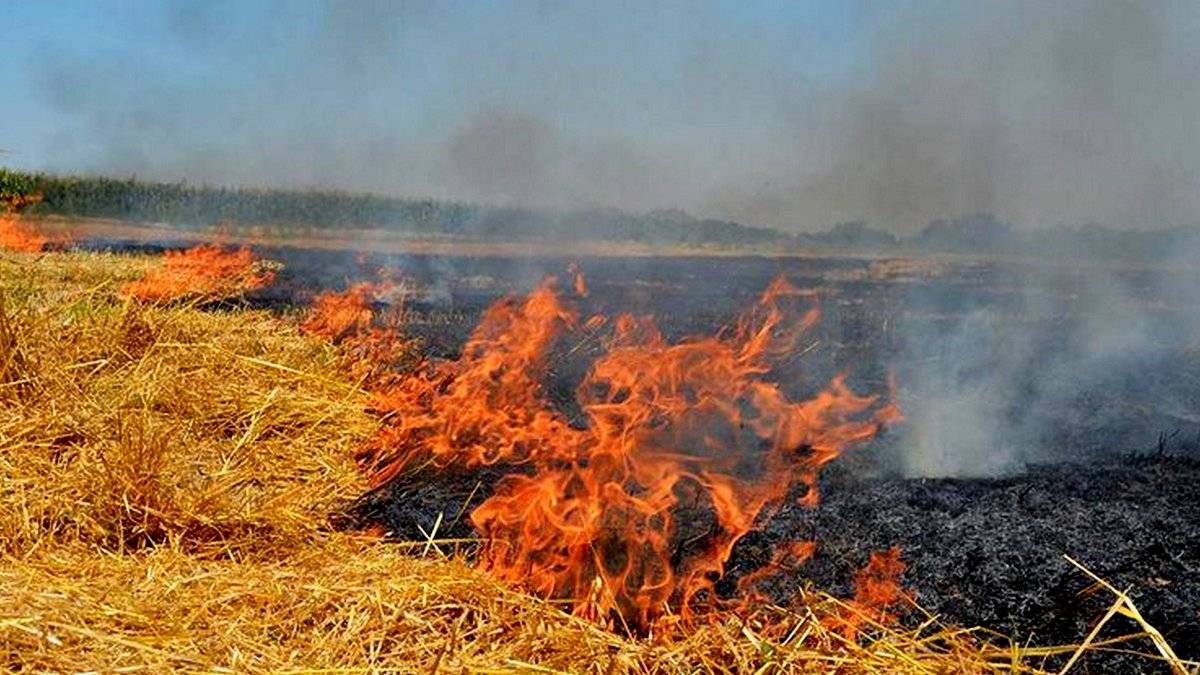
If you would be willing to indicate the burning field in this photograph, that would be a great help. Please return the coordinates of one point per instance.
(423, 463)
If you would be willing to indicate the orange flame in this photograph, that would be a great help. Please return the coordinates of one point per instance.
(346, 318)
(785, 558)
(15, 234)
(878, 584)
(581, 287)
(336, 315)
(18, 236)
(876, 591)
(687, 447)
(207, 271)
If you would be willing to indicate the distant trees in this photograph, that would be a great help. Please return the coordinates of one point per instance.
(16, 192)
(308, 211)
(856, 234)
(14, 184)
(980, 232)
(1099, 241)
(198, 206)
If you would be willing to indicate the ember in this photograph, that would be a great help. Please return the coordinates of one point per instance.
(207, 271)
(605, 515)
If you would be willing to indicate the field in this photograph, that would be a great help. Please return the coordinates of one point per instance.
(181, 487)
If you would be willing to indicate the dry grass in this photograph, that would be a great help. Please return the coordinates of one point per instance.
(129, 426)
(348, 606)
(167, 477)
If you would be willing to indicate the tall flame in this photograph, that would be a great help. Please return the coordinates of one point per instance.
(207, 271)
(686, 448)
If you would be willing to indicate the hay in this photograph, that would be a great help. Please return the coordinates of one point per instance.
(138, 426)
(343, 604)
(350, 605)
(167, 480)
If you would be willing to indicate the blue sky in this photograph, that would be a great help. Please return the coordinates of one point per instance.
(426, 67)
(792, 114)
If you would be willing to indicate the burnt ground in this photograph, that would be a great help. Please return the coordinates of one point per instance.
(989, 552)
(979, 552)
(1069, 389)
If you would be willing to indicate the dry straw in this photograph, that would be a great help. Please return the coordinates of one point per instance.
(167, 479)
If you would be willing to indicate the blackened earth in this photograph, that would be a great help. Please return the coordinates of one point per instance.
(979, 552)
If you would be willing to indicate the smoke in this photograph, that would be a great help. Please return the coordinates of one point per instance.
(796, 118)
(1069, 363)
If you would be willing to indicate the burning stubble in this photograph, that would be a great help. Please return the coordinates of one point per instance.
(203, 272)
(604, 515)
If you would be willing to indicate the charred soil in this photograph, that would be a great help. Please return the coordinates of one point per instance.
(985, 552)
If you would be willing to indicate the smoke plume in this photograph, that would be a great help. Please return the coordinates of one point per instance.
(1070, 363)
(1039, 112)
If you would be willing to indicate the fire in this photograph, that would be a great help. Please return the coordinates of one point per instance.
(878, 584)
(485, 408)
(876, 591)
(347, 318)
(580, 283)
(686, 447)
(788, 557)
(15, 235)
(207, 271)
(337, 315)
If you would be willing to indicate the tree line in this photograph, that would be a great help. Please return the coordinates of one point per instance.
(314, 211)
(201, 206)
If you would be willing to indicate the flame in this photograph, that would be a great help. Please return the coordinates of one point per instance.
(346, 318)
(484, 408)
(18, 236)
(15, 234)
(878, 584)
(206, 271)
(580, 283)
(785, 558)
(877, 590)
(686, 448)
(336, 315)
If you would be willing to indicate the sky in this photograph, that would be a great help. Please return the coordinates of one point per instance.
(794, 115)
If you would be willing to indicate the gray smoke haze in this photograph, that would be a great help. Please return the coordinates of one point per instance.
(1039, 112)
(1074, 363)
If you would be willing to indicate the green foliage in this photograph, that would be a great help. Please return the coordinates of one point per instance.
(312, 212)
(293, 211)
(13, 184)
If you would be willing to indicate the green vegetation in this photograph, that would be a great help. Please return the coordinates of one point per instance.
(286, 213)
(200, 206)
(13, 184)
